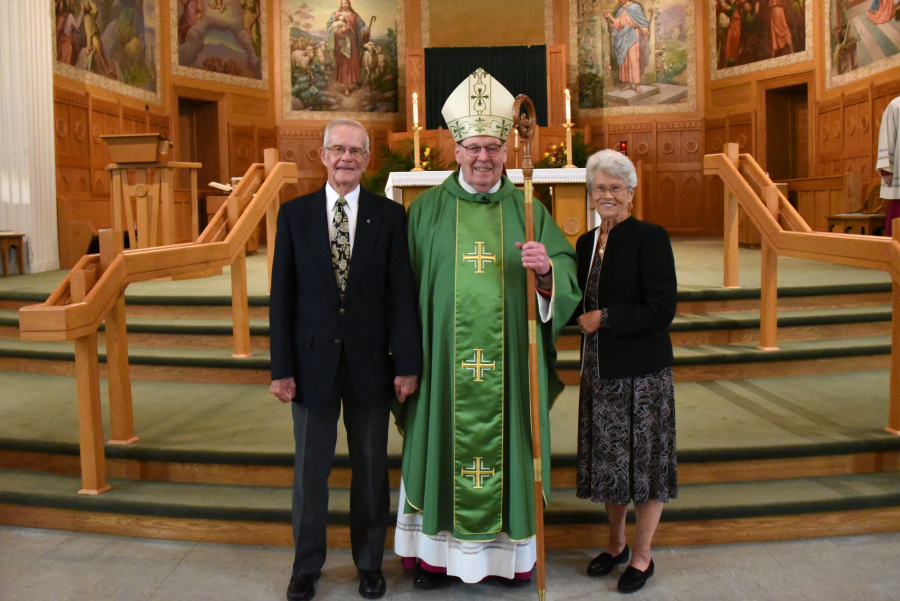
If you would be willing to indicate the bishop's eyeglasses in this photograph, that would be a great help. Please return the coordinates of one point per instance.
(338, 151)
(474, 150)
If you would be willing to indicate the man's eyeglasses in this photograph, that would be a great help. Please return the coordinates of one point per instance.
(614, 190)
(338, 151)
(474, 150)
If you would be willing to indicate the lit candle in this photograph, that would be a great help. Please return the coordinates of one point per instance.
(568, 107)
(516, 132)
(415, 110)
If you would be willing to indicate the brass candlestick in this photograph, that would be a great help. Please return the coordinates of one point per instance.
(569, 164)
(416, 130)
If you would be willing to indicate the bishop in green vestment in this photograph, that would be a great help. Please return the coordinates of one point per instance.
(468, 474)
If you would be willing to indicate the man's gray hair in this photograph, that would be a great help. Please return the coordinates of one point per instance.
(351, 123)
(612, 163)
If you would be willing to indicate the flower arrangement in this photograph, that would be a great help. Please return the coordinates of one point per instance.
(555, 155)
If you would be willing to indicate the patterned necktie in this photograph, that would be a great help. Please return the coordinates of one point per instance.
(340, 244)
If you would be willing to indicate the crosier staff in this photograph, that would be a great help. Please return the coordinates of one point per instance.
(525, 125)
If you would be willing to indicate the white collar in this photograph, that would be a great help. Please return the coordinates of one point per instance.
(465, 186)
(351, 197)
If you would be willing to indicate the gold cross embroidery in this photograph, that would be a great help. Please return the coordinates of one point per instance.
(477, 472)
(476, 366)
(479, 257)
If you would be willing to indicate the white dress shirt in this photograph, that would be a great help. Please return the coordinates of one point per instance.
(351, 208)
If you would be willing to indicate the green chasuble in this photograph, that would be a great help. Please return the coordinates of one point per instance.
(467, 461)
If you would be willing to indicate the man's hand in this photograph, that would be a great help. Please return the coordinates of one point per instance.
(405, 386)
(534, 256)
(284, 389)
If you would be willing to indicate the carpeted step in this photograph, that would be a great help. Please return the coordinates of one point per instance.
(718, 362)
(222, 504)
(742, 327)
(692, 363)
(231, 433)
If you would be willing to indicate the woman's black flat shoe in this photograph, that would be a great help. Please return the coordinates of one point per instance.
(633, 579)
(604, 563)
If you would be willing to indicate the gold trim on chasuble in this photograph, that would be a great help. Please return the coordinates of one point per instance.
(478, 375)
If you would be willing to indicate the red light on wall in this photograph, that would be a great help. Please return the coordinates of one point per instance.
(623, 147)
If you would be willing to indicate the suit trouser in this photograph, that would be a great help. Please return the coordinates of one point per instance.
(315, 436)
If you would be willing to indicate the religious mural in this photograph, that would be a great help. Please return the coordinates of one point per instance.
(220, 40)
(864, 39)
(109, 43)
(341, 61)
(635, 56)
(749, 35)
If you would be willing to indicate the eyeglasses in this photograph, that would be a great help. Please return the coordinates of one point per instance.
(614, 190)
(474, 150)
(338, 151)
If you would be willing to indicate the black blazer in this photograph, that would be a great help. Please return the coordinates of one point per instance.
(376, 322)
(637, 287)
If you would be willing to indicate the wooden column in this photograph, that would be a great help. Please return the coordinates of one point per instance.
(143, 209)
(195, 211)
(121, 414)
(768, 281)
(894, 402)
(167, 204)
(638, 200)
(730, 279)
(87, 379)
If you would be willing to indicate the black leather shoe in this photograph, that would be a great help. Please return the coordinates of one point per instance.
(633, 579)
(371, 583)
(303, 587)
(427, 580)
(604, 563)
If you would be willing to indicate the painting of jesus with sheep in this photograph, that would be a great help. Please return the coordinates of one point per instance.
(343, 58)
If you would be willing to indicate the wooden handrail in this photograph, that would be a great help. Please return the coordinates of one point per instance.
(94, 291)
(741, 174)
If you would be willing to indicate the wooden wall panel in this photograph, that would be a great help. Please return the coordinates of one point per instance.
(300, 145)
(241, 149)
(556, 85)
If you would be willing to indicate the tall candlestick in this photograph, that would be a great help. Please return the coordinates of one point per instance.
(415, 110)
(516, 142)
(568, 107)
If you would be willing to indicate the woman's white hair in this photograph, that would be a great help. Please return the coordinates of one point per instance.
(612, 163)
(327, 141)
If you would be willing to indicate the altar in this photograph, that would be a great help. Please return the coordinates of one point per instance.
(569, 198)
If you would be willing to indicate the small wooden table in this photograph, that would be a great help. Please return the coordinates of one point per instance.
(16, 241)
(857, 223)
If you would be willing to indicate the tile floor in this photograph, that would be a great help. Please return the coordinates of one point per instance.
(56, 565)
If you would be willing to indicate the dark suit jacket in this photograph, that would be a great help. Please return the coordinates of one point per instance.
(376, 322)
(637, 287)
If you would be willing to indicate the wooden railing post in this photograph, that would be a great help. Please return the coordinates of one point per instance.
(121, 414)
(240, 312)
(270, 156)
(768, 281)
(894, 401)
(731, 226)
(87, 379)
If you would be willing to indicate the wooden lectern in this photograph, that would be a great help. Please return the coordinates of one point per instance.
(146, 205)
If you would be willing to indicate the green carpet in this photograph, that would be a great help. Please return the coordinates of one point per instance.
(737, 419)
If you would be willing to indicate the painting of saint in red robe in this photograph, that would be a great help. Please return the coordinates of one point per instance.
(346, 34)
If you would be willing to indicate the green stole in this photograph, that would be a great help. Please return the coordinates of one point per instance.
(478, 376)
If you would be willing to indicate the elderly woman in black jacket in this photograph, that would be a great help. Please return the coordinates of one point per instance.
(626, 424)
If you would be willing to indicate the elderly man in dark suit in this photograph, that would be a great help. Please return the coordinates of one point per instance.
(344, 330)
